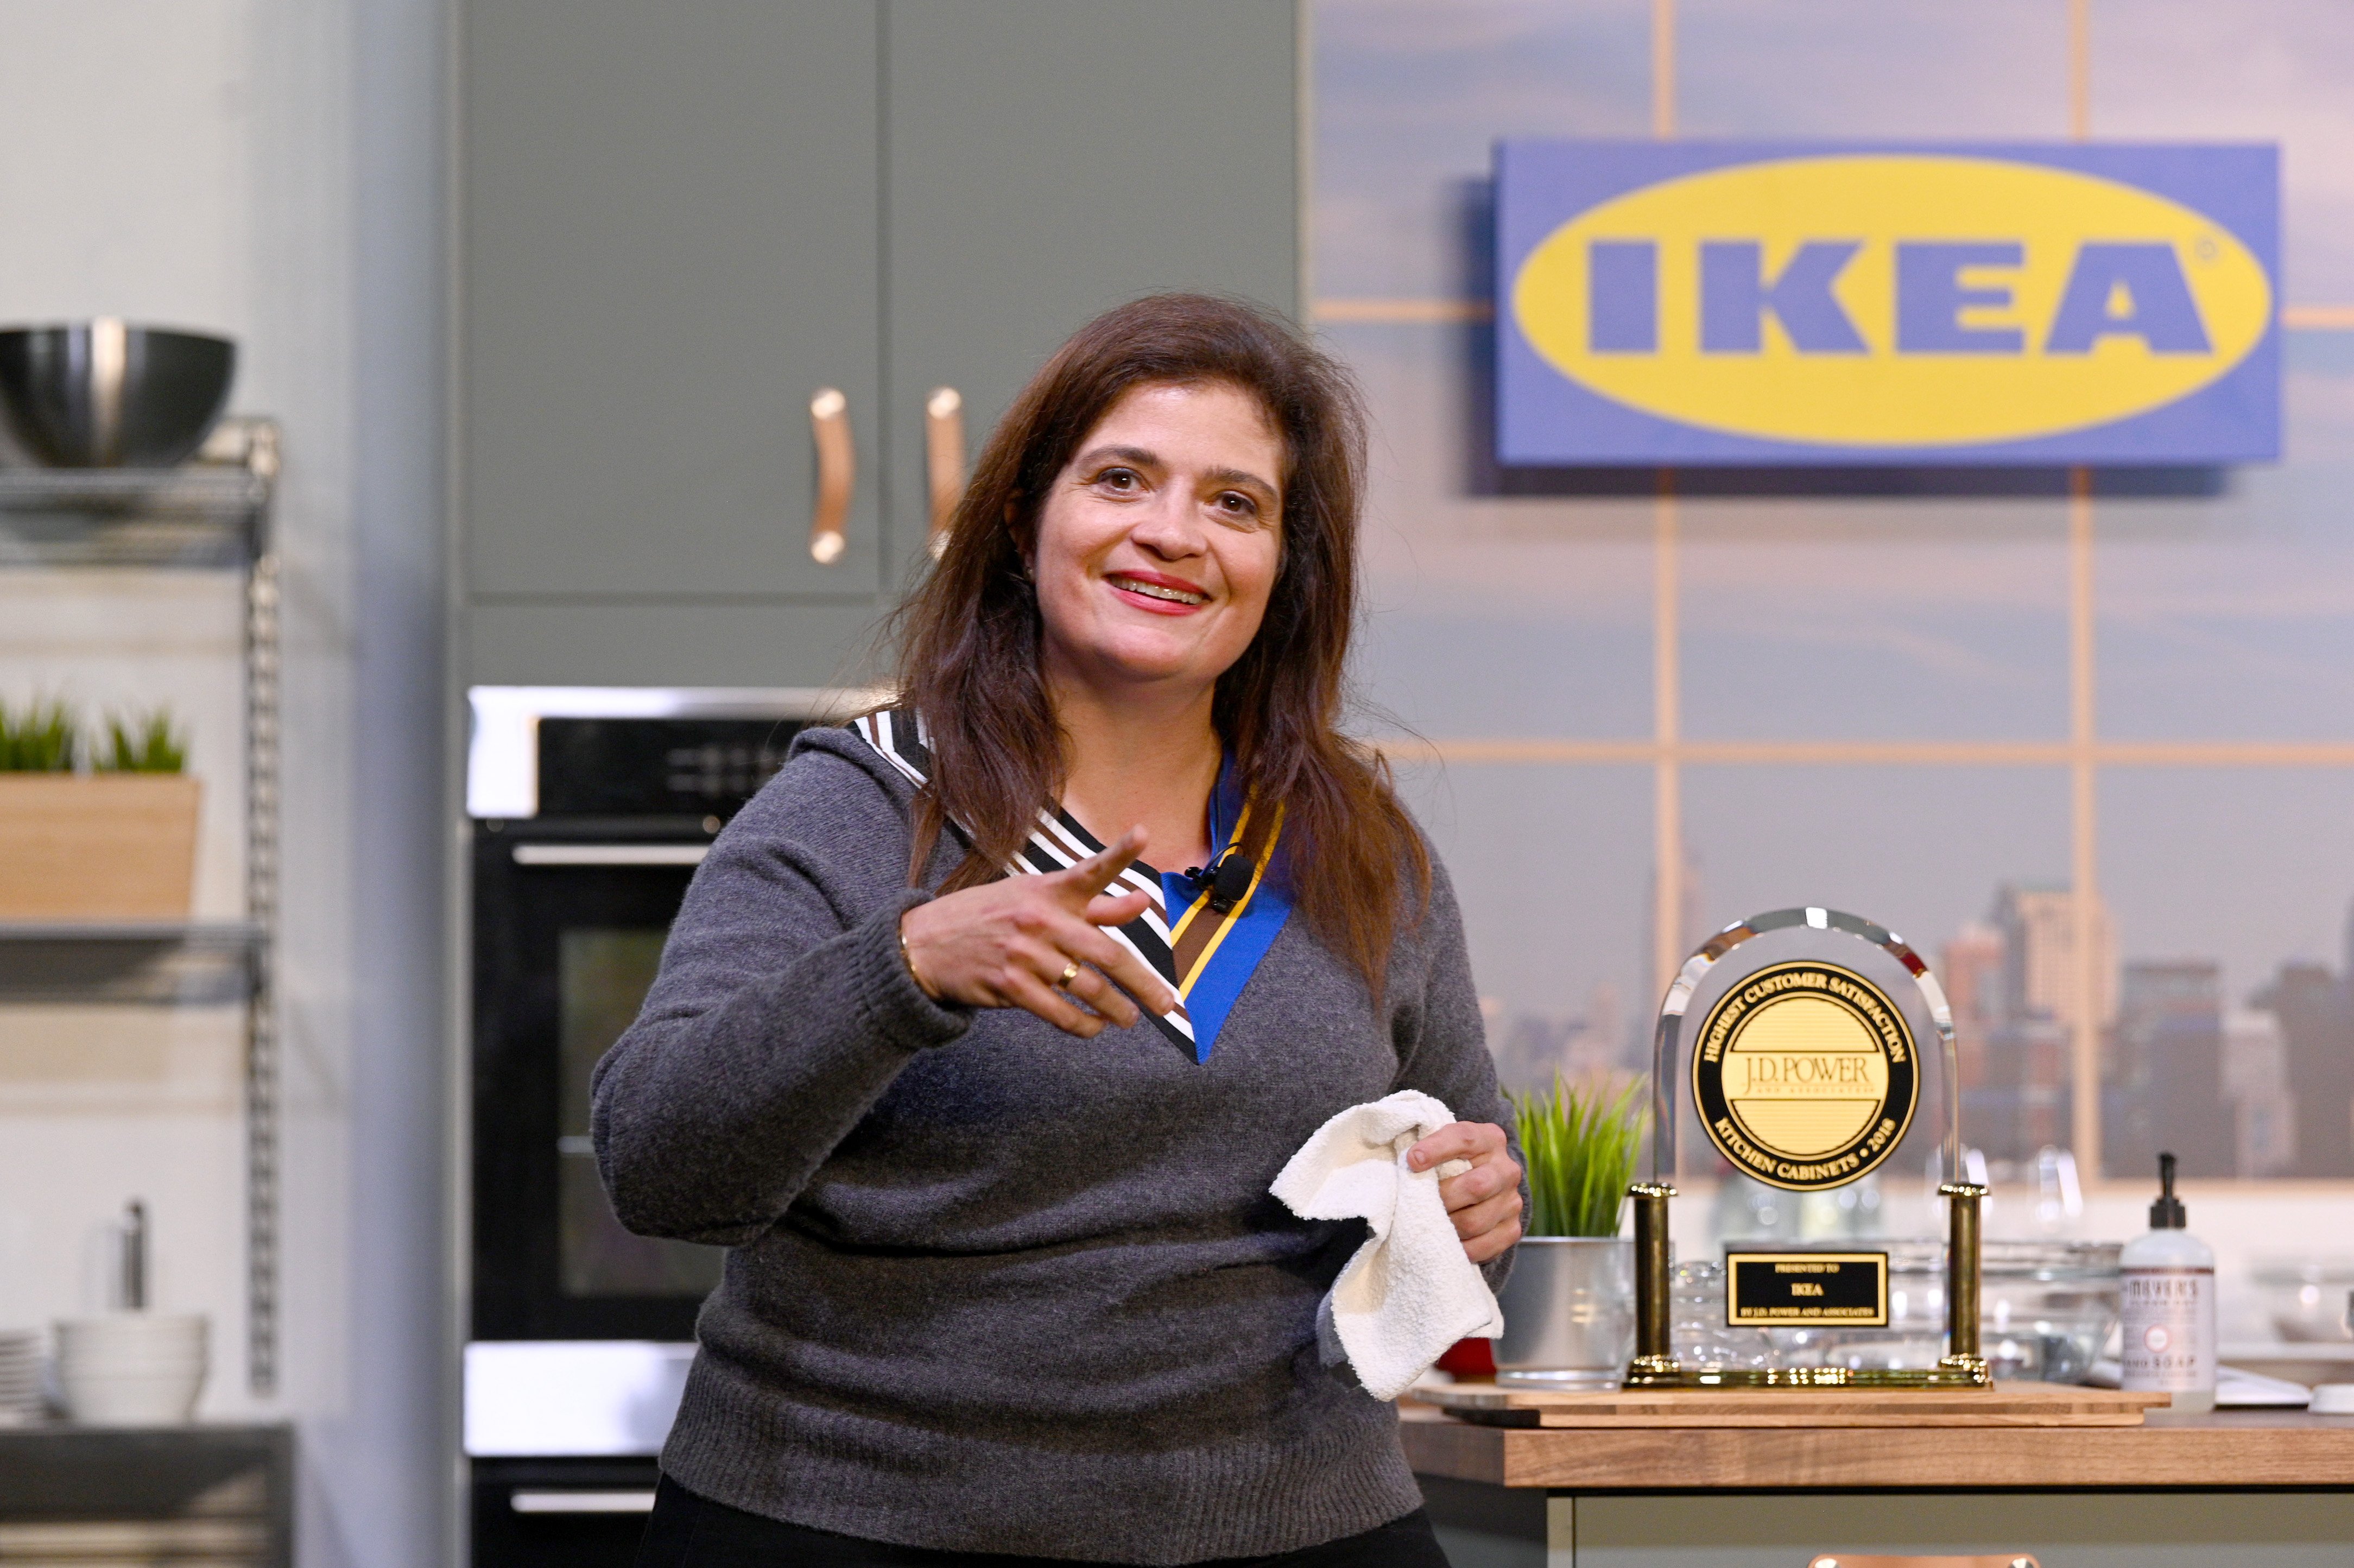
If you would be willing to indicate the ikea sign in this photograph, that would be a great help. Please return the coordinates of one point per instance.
(1697, 303)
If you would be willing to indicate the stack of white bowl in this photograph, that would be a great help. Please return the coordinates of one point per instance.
(20, 1377)
(132, 1369)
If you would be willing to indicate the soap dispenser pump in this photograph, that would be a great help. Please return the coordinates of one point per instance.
(2169, 1302)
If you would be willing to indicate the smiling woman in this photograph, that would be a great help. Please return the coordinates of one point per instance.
(1154, 489)
(1267, 464)
(1152, 557)
(988, 1105)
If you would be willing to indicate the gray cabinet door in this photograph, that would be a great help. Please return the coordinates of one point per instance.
(1050, 158)
(670, 241)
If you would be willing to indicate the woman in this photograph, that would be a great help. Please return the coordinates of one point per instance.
(985, 1105)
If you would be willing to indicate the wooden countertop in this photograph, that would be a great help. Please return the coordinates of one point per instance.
(2228, 1448)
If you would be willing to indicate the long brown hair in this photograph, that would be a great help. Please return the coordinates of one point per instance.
(969, 637)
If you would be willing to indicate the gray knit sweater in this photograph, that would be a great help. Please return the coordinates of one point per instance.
(990, 1286)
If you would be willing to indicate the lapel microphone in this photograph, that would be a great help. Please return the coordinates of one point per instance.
(1228, 881)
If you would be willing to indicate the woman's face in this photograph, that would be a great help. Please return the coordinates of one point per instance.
(1158, 544)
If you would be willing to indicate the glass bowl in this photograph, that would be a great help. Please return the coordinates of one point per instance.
(2046, 1308)
(2308, 1300)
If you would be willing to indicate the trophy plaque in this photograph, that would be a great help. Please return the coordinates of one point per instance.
(1805, 1070)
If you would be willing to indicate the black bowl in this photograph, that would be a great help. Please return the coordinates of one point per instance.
(103, 394)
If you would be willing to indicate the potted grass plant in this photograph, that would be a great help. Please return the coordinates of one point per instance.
(95, 824)
(1569, 1304)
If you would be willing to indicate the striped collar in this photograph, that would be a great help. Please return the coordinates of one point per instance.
(1207, 958)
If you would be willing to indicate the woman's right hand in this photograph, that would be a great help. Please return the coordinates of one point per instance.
(1015, 942)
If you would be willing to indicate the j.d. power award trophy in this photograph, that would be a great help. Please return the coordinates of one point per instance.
(1805, 1069)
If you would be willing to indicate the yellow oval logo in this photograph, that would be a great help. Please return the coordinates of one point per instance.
(1893, 299)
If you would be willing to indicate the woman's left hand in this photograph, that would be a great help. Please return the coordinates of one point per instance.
(1485, 1201)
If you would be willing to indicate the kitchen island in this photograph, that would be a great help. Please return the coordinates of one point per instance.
(2246, 1489)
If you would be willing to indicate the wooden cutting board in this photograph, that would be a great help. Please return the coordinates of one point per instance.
(2005, 1404)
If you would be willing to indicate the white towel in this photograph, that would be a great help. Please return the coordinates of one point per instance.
(1410, 1292)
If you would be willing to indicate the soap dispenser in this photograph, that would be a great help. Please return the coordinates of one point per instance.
(2169, 1289)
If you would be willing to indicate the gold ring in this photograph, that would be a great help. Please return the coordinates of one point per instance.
(1068, 975)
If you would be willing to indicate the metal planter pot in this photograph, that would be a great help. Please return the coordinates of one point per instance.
(1569, 1313)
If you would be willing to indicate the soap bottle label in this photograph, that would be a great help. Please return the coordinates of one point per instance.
(2168, 1329)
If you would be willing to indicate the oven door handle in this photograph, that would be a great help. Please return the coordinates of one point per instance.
(552, 1501)
(611, 854)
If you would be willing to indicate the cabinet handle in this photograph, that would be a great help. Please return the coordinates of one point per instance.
(2001, 1560)
(611, 854)
(944, 457)
(568, 1501)
(837, 465)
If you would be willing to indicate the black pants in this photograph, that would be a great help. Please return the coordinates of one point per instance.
(691, 1532)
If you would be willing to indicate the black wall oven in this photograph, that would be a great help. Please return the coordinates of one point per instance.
(589, 812)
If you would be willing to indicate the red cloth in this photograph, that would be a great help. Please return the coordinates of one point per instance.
(1469, 1358)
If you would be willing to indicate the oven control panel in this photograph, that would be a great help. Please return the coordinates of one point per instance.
(657, 767)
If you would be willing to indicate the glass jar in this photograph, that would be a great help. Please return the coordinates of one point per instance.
(1696, 1315)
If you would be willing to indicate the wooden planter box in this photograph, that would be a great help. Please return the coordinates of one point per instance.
(108, 846)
